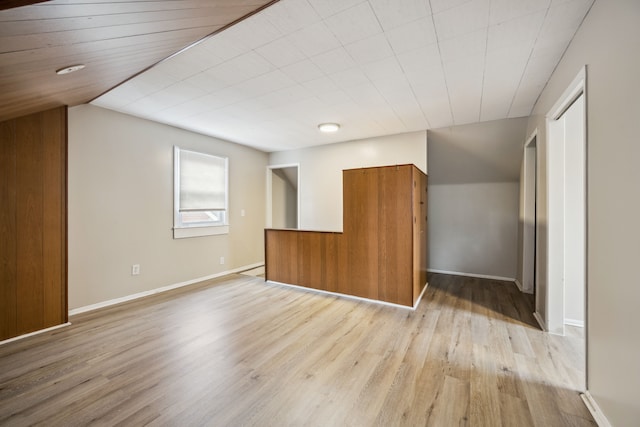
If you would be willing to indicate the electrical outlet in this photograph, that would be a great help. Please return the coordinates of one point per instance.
(135, 269)
(221, 260)
(242, 212)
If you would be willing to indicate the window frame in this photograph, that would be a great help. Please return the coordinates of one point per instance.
(197, 229)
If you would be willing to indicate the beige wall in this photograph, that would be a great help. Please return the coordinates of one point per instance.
(473, 197)
(121, 207)
(608, 43)
(320, 185)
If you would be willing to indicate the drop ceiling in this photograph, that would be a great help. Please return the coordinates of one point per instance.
(377, 67)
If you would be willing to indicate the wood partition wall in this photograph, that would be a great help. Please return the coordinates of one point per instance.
(33, 222)
(382, 253)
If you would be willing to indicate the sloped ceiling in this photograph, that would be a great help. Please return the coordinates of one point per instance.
(375, 66)
(115, 40)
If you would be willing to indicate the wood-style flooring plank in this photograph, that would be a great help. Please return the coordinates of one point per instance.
(239, 351)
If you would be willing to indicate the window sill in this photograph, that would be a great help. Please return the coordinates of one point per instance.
(186, 232)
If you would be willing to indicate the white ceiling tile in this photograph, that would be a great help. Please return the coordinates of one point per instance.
(333, 61)
(356, 23)
(385, 69)
(463, 19)
(393, 13)
(442, 5)
(265, 83)
(349, 77)
(520, 33)
(565, 14)
(334, 97)
(280, 53)
(285, 96)
(505, 10)
(268, 80)
(470, 47)
(291, 15)
(321, 85)
(241, 68)
(303, 71)
(369, 49)
(177, 93)
(418, 62)
(255, 32)
(206, 82)
(221, 47)
(326, 8)
(413, 35)
(366, 95)
(314, 39)
(187, 109)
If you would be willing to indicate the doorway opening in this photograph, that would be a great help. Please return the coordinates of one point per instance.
(283, 196)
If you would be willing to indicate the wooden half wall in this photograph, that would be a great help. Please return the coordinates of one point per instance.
(33, 222)
(382, 253)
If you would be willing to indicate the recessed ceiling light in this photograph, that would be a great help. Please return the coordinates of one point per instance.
(70, 69)
(328, 127)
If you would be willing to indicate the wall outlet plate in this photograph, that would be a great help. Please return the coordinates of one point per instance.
(135, 269)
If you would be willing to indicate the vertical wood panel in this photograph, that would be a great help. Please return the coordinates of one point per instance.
(33, 232)
(395, 243)
(54, 218)
(8, 244)
(30, 210)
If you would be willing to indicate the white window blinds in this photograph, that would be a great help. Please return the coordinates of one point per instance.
(203, 181)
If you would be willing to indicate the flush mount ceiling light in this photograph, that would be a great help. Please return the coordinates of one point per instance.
(328, 127)
(70, 69)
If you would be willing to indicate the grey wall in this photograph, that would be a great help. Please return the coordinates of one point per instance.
(473, 197)
(121, 207)
(284, 200)
(608, 42)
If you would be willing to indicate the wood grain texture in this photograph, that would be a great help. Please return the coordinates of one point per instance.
(114, 39)
(8, 231)
(382, 252)
(33, 219)
(238, 351)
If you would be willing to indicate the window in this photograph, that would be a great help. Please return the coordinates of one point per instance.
(200, 194)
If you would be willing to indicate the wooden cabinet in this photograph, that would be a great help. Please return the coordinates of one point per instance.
(382, 252)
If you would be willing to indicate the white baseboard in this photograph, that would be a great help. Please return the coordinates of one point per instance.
(139, 295)
(30, 334)
(479, 276)
(519, 285)
(573, 322)
(595, 410)
(540, 321)
(347, 296)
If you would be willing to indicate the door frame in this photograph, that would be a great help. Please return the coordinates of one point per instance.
(555, 213)
(530, 215)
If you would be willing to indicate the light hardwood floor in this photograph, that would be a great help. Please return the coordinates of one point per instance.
(237, 351)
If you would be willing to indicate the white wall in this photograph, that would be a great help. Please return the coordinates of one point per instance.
(608, 42)
(320, 185)
(473, 197)
(121, 207)
(574, 214)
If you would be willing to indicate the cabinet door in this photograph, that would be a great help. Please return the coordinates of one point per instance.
(395, 235)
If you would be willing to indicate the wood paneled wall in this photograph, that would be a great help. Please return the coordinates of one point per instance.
(382, 252)
(33, 222)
